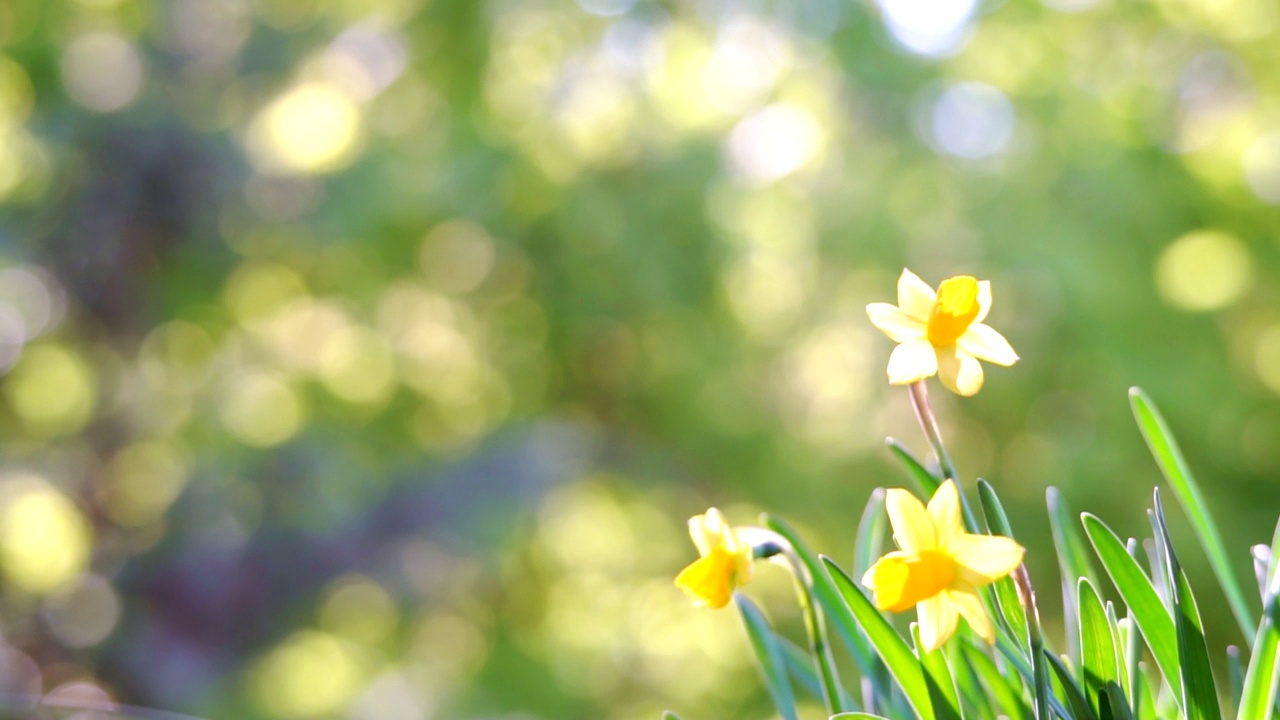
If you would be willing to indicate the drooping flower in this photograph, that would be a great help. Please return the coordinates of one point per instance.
(938, 567)
(725, 565)
(941, 333)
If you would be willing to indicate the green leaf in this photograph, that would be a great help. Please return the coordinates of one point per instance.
(1100, 662)
(975, 702)
(897, 657)
(857, 716)
(769, 657)
(869, 541)
(1076, 700)
(926, 482)
(800, 665)
(1199, 694)
(1235, 675)
(1073, 562)
(829, 598)
(1261, 678)
(668, 715)
(1174, 466)
(1141, 598)
(1005, 688)
(942, 689)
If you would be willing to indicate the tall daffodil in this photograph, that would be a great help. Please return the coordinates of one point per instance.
(939, 566)
(941, 333)
(725, 564)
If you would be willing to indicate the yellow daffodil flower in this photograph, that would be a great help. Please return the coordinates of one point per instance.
(939, 566)
(725, 564)
(941, 333)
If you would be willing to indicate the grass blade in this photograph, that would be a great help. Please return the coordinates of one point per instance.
(800, 666)
(1076, 701)
(869, 542)
(1258, 691)
(926, 482)
(1100, 661)
(1174, 466)
(1199, 694)
(1073, 562)
(1000, 686)
(772, 665)
(942, 689)
(1141, 598)
(897, 657)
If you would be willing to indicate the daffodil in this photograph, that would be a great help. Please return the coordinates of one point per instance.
(939, 567)
(725, 564)
(941, 333)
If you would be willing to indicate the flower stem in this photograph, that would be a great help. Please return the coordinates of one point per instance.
(929, 425)
(816, 627)
(1027, 596)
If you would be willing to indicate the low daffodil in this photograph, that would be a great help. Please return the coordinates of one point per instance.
(941, 333)
(725, 565)
(939, 567)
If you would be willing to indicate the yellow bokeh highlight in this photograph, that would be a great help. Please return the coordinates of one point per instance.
(259, 290)
(52, 390)
(359, 610)
(142, 482)
(310, 674)
(1204, 270)
(456, 256)
(358, 365)
(312, 128)
(44, 539)
(17, 96)
(262, 410)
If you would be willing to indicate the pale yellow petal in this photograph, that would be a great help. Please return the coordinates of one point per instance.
(960, 372)
(983, 559)
(708, 531)
(912, 361)
(970, 606)
(894, 322)
(944, 508)
(938, 618)
(984, 300)
(912, 526)
(915, 297)
(985, 343)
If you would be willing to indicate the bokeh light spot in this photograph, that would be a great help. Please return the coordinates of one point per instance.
(774, 142)
(1266, 358)
(82, 613)
(1262, 168)
(456, 256)
(309, 675)
(928, 27)
(970, 120)
(44, 540)
(311, 129)
(359, 610)
(259, 290)
(1204, 270)
(102, 71)
(142, 482)
(263, 410)
(52, 389)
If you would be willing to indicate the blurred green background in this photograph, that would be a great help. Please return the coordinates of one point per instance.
(364, 358)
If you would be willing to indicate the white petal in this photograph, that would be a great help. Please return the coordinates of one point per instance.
(912, 361)
(912, 526)
(984, 343)
(960, 372)
(938, 619)
(898, 325)
(944, 508)
(984, 300)
(970, 606)
(915, 297)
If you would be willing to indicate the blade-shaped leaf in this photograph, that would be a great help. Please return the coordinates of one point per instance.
(1100, 661)
(937, 676)
(1138, 594)
(1076, 701)
(897, 657)
(1199, 694)
(1004, 687)
(1073, 562)
(668, 715)
(871, 531)
(926, 482)
(769, 657)
(975, 703)
(1174, 466)
(1258, 691)
(800, 665)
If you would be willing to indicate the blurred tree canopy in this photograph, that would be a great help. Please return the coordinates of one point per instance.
(363, 358)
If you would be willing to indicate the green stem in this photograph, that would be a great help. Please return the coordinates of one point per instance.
(816, 627)
(929, 425)
(1027, 596)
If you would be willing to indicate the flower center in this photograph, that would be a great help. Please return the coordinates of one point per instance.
(902, 581)
(954, 311)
